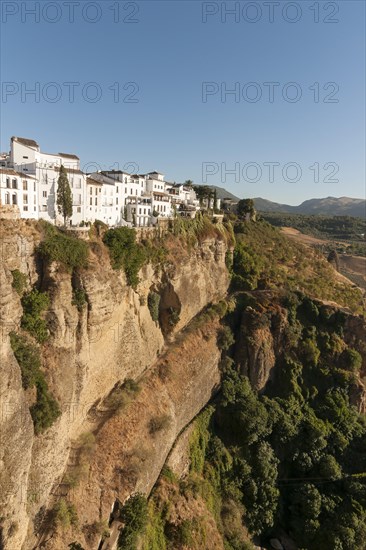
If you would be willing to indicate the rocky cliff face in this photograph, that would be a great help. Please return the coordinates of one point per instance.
(89, 353)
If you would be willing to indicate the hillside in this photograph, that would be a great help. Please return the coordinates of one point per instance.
(332, 206)
(113, 346)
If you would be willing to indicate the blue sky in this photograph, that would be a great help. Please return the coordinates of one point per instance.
(168, 53)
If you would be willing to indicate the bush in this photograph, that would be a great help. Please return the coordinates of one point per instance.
(351, 360)
(67, 250)
(34, 303)
(46, 410)
(247, 267)
(79, 298)
(125, 252)
(159, 423)
(28, 359)
(225, 338)
(65, 514)
(120, 397)
(134, 515)
(19, 281)
(153, 302)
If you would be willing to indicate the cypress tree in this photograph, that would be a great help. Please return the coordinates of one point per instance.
(64, 196)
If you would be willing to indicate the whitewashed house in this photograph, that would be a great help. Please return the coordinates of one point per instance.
(29, 180)
(26, 156)
(20, 191)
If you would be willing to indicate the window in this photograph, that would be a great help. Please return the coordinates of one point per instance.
(25, 199)
(78, 183)
(139, 210)
(7, 198)
(25, 157)
(34, 186)
(15, 199)
(8, 183)
(130, 191)
(91, 201)
(25, 208)
(25, 185)
(91, 190)
(126, 190)
(35, 200)
(96, 201)
(116, 200)
(44, 194)
(15, 184)
(78, 209)
(79, 199)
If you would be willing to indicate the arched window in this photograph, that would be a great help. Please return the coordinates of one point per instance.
(7, 198)
(15, 199)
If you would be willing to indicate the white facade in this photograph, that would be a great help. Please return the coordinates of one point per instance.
(19, 190)
(114, 197)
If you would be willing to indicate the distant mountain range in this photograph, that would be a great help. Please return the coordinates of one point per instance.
(329, 206)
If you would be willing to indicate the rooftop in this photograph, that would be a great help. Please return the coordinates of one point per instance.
(68, 156)
(25, 141)
(11, 172)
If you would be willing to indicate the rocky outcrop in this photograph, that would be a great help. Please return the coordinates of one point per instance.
(258, 343)
(110, 339)
(132, 445)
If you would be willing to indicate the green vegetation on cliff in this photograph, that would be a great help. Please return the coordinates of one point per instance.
(292, 458)
(45, 409)
(266, 259)
(58, 246)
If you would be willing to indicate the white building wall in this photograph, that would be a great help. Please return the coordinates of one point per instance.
(19, 190)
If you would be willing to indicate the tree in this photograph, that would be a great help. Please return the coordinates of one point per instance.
(333, 259)
(188, 183)
(246, 206)
(215, 202)
(64, 196)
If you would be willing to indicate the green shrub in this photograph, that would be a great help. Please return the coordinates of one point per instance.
(225, 338)
(351, 360)
(153, 302)
(28, 359)
(34, 304)
(247, 267)
(173, 316)
(65, 514)
(309, 351)
(134, 515)
(58, 247)
(45, 410)
(79, 298)
(19, 281)
(125, 252)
